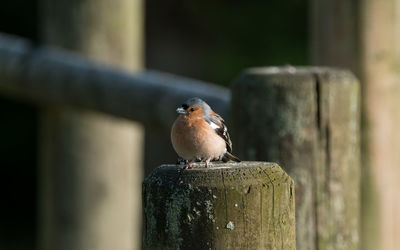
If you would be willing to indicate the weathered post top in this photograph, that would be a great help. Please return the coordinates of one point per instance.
(246, 205)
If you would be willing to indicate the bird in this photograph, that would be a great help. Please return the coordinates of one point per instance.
(199, 133)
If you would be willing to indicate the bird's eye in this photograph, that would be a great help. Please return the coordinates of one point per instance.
(192, 109)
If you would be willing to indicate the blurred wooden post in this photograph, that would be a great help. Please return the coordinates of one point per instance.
(247, 205)
(92, 163)
(369, 35)
(306, 119)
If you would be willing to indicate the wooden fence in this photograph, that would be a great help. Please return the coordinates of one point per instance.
(52, 77)
(307, 119)
(77, 167)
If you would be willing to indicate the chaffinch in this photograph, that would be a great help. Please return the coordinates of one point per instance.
(200, 134)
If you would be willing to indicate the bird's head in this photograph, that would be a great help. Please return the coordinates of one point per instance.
(194, 107)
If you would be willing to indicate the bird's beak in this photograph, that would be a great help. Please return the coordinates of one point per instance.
(181, 110)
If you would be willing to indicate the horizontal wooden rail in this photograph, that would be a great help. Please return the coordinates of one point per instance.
(50, 76)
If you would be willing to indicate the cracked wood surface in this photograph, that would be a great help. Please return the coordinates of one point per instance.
(247, 205)
(307, 120)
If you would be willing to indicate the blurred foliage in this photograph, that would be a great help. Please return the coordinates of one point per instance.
(211, 40)
(215, 40)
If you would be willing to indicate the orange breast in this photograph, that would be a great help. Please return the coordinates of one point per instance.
(194, 138)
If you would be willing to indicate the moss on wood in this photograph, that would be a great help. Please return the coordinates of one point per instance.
(247, 205)
(307, 120)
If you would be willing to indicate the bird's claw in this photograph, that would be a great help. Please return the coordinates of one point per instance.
(208, 163)
(188, 165)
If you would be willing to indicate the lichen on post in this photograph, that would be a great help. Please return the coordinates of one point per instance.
(308, 120)
(247, 205)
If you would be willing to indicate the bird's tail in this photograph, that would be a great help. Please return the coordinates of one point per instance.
(228, 156)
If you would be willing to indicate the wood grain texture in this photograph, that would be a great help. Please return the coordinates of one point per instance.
(247, 205)
(307, 120)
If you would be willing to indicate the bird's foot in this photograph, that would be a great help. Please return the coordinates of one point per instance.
(208, 163)
(188, 165)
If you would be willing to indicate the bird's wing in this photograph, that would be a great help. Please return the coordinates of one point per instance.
(218, 124)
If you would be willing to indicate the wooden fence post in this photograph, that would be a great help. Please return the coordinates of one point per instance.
(92, 163)
(368, 34)
(247, 205)
(307, 120)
